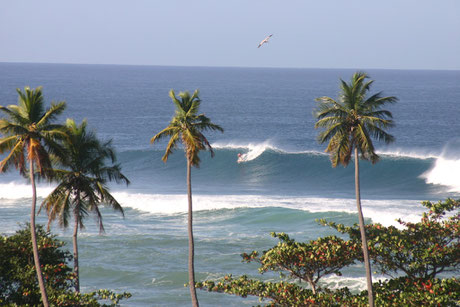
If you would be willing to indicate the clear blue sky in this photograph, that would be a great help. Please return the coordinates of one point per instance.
(393, 34)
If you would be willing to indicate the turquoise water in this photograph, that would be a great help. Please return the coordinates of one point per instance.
(285, 183)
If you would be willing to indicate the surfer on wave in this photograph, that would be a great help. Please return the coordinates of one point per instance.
(240, 158)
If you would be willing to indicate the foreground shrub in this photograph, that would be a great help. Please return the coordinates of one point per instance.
(18, 279)
(307, 261)
(395, 292)
(421, 252)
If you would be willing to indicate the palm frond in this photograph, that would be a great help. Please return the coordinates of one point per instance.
(52, 113)
(180, 108)
(204, 123)
(109, 200)
(11, 128)
(15, 157)
(331, 130)
(172, 144)
(168, 131)
(194, 107)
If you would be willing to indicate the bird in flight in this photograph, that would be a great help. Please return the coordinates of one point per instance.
(264, 41)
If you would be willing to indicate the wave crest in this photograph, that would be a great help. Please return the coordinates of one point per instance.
(377, 210)
(445, 172)
(446, 169)
(249, 151)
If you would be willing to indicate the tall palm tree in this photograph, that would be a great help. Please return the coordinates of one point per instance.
(29, 137)
(82, 182)
(186, 127)
(349, 125)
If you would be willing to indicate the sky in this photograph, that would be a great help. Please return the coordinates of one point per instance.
(388, 34)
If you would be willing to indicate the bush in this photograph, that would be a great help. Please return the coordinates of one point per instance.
(18, 279)
(420, 251)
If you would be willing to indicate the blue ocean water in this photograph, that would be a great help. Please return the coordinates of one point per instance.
(285, 183)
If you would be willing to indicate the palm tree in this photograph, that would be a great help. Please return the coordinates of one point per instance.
(349, 125)
(81, 182)
(29, 137)
(186, 127)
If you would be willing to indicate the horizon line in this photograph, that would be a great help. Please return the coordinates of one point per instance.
(214, 66)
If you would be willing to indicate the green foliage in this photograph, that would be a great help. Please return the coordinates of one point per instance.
(186, 126)
(92, 299)
(405, 291)
(307, 261)
(277, 294)
(28, 132)
(82, 174)
(18, 279)
(419, 250)
(395, 292)
(353, 120)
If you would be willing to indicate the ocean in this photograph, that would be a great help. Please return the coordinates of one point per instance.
(284, 184)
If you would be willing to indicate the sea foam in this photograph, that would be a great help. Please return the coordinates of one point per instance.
(444, 172)
(15, 190)
(446, 169)
(382, 211)
(249, 151)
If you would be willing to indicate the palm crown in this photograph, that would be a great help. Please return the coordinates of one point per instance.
(186, 126)
(353, 121)
(83, 176)
(29, 130)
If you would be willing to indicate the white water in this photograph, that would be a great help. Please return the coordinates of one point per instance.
(445, 172)
(446, 169)
(381, 211)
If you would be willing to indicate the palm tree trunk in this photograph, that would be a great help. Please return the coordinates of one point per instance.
(75, 248)
(191, 246)
(367, 263)
(33, 234)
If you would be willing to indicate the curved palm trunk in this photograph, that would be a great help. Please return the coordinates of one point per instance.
(367, 263)
(33, 234)
(191, 246)
(75, 247)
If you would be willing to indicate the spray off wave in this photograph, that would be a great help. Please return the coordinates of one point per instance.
(249, 151)
(445, 172)
(446, 169)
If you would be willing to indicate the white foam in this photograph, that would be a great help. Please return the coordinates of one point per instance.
(253, 150)
(403, 153)
(355, 284)
(383, 211)
(15, 190)
(444, 172)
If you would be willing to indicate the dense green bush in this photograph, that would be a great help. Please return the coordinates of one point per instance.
(419, 250)
(18, 279)
(415, 256)
(307, 261)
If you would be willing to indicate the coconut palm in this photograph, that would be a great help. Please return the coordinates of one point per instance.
(186, 127)
(349, 125)
(82, 182)
(29, 136)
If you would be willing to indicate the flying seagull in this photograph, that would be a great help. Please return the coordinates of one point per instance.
(264, 41)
